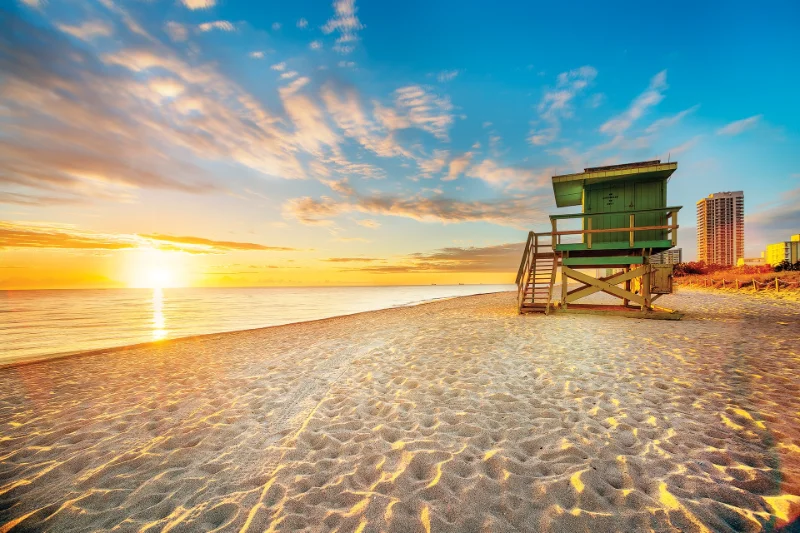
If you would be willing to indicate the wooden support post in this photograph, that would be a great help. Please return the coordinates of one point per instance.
(627, 286)
(674, 228)
(723, 283)
(776, 284)
(737, 284)
(632, 225)
(646, 289)
(589, 235)
(555, 238)
(754, 285)
(563, 282)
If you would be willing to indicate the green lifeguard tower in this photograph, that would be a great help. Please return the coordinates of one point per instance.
(624, 220)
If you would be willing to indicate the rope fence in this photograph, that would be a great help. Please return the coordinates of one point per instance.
(775, 284)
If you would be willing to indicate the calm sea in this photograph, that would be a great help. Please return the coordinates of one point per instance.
(34, 324)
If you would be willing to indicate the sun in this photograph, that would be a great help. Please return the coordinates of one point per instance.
(154, 269)
(159, 278)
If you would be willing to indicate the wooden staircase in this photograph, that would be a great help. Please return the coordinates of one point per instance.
(537, 274)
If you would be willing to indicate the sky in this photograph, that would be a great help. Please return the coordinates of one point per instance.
(228, 143)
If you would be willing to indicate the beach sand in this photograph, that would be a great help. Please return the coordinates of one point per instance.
(458, 415)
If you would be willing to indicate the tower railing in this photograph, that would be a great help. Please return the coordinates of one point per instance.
(586, 233)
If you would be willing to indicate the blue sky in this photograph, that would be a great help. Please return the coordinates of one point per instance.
(418, 137)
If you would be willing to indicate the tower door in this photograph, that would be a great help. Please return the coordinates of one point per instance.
(601, 201)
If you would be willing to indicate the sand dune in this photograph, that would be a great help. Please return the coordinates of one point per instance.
(457, 415)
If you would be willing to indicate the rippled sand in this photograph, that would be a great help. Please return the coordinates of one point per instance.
(458, 415)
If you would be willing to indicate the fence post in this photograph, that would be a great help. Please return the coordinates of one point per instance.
(737, 284)
(754, 285)
(777, 287)
(723, 283)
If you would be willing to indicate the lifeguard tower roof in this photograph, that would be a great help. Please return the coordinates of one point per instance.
(568, 188)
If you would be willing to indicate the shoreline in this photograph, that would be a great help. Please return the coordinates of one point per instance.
(124, 347)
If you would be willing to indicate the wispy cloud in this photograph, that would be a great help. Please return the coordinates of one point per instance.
(280, 67)
(425, 110)
(457, 166)
(649, 98)
(176, 31)
(88, 30)
(351, 259)
(222, 25)
(739, 126)
(435, 164)
(496, 258)
(27, 235)
(199, 4)
(302, 23)
(447, 75)
(346, 23)
(668, 122)
(258, 54)
(368, 223)
(516, 211)
(315, 45)
(513, 177)
(556, 104)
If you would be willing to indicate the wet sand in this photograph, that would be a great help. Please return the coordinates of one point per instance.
(458, 415)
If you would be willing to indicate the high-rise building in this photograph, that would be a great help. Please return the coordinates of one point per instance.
(672, 256)
(720, 228)
(784, 251)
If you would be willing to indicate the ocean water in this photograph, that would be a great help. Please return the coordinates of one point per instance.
(36, 324)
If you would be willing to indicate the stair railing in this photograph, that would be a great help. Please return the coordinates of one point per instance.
(523, 275)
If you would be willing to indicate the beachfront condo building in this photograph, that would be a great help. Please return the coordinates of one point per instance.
(784, 251)
(720, 228)
(667, 257)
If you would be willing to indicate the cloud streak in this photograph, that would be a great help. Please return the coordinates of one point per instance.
(649, 98)
(22, 235)
(739, 126)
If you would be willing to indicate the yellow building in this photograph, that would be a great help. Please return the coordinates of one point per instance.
(784, 251)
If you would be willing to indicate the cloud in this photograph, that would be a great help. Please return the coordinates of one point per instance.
(368, 223)
(447, 75)
(87, 30)
(280, 67)
(739, 126)
(222, 25)
(176, 31)
(276, 26)
(495, 258)
(345, 108)
(210, 244)
(81, 127)
(457, 166)
(346, 23)
(42, 235)
(668, 122)
(513, 177)
(288, 74)
(199, 4)
(649, 98)
(315, 45)
(258, 54)
(556, 103)
(302, 23)
(424, 110)
(351, 259)
(435, 164)
(517, 211)
(681, 148)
